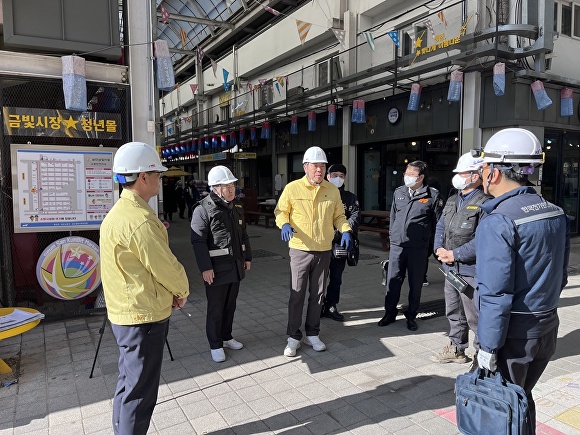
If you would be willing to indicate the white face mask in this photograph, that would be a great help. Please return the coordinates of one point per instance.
(337, 181)
(461, 183)
(410, 181)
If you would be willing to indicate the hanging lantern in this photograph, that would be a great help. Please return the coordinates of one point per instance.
(175, 150)
(294, 125)
(206, 142)
(182, 148)
(499, 79)
(414, 97)
(455, 86)
(540, 95)
(360, 116)
(331, 115)
(566, 102)
(242, 135)
(266, 132)
(223, 140)
(193, 145)
(312, 120)
(233, 139)
(74, 83)
(253, 135)
(214, 143)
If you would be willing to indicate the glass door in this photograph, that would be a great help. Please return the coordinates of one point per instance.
(570, 182)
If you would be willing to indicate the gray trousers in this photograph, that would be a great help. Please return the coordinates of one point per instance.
(461, 314)
(309, 270)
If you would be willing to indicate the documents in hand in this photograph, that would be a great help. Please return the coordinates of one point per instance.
(18, 318)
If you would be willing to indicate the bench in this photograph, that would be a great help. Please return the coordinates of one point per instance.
(254, 217)
(383, 233)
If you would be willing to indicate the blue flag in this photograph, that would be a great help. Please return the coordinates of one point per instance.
(395, 37)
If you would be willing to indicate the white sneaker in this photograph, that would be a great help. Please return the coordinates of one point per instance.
(218, 355)
(314, 341)
(233, 344)
(291, 347)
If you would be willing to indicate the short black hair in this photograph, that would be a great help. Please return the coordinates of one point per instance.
(337, 167)
(512, 175)
(420, 165)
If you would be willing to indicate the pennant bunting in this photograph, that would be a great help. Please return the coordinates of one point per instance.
(250, 88)
(395, 37)
(278, 88)
(441, 16)
(370, 40)
(272, 11)
(213, 67)
(164, 15)
(199, 54)
(429, 25)
(193, 88)
(303, 29)
(340, 36)
(280, 80)
(182, 37)
(262, 82)
(226, 74)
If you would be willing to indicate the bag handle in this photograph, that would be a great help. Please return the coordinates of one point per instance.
(481, 374)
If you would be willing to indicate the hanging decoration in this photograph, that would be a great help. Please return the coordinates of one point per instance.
(370, 40)
(272, 11)
(182, 37)
(233, 142)
(294, 125)
(455, 86)
(266, 132)
(312, 120)
(340, 36)
(395, 37)
(213, 67)
(163, 66)
(441, 16)
(414, 97)
(499, 79)
(206, 143)
(277, 85)
(223, 140)
(303, 29)
(200, 54)
(566, 102)
(200, 144)
(193, 145)
(164, 15)
(74, 82)
(214, 143)
(358, 111)
(253, 134)
(242, 135)
(540, 95)
(331, 115)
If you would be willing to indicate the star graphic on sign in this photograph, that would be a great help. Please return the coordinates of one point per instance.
(418, 42)
(76, 252)
(70, 123)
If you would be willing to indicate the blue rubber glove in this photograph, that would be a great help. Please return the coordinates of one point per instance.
(287, 232)
(346, 241)
(487, 360)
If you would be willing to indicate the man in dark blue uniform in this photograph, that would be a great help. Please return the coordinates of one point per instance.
(522, 251)
(415, 211)
(336, 175)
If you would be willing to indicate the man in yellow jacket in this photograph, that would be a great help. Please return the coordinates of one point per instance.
(142, 282)
(308, 211)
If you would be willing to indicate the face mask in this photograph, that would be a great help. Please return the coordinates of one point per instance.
(410, 181)
(461, 183)
(337, 181)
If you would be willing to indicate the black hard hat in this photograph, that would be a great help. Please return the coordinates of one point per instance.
(337, 167)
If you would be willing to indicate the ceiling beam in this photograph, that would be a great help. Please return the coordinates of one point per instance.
(198, 20)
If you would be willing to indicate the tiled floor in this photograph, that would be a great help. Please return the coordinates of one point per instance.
(370, 380)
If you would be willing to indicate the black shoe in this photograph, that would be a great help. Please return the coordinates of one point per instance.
(412, 325)
(332, 313)
(387, 320)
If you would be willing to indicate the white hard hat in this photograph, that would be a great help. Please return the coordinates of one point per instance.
(468, 163)
(136, 157)
(314, 155)
(513, 146)
(220, 175)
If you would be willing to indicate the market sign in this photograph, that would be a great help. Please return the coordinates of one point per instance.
(212, 157)
(244, 155)
(22, 121)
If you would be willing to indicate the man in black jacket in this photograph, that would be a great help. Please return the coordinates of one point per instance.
(223, 255)
(336, 175)
(414, 214)
(455, 247)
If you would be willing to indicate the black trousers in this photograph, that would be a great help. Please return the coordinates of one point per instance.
(522, 362)
(401, 261)
(337, 266)
(221, 306)
(140, 357)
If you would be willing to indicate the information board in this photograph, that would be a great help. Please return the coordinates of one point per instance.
(58, 188)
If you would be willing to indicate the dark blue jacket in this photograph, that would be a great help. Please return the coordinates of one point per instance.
(522, 251)
(413, 220)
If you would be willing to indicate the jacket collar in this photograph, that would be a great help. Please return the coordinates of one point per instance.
(132, 196)
(492, 204)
